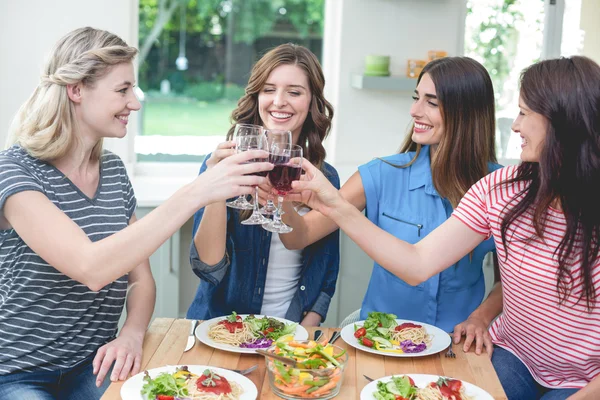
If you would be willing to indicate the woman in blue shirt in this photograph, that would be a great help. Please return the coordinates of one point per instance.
(451, 147)
(245, 268)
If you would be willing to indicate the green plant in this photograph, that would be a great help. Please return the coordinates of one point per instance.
(204, 91)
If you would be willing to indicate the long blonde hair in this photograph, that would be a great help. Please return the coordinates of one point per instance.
(45, 125)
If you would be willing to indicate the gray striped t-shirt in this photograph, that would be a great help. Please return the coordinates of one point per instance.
(47, 320)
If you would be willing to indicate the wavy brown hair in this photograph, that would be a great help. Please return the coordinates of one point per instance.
(566, 92)
(318, 122)
(466, 100)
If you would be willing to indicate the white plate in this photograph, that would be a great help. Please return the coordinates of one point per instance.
(422, 380)
(439, 342)
(132, 388)
(202, 334)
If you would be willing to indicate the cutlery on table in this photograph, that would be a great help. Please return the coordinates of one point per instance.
(336, 335)
(191, 338)
(450, 353)
(244, 371)
(318, 334)
(369, 379)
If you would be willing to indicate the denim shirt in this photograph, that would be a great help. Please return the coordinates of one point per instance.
(404, 202)
(237, 282)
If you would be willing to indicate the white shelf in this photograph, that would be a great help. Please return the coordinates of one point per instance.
(388, 83)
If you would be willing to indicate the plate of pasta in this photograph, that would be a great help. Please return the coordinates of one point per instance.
(188, 382)
(383, 334)
(244, 333)
(422, 387)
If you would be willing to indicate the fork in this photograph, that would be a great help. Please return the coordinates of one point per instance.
(244, 371)
(336, 335)
(450, 353)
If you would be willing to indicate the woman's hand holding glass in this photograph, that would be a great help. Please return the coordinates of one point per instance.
(239, 131)
(233, 176)
(223, 150)
(315, 190)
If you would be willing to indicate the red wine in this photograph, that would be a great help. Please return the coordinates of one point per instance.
(282, 176)
(253, 160)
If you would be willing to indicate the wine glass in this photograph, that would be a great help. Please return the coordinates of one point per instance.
(282, 138)
(288, 168)
(254, 142)
(243, 130)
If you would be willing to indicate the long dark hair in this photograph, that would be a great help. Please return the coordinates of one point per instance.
(466, 100)
(566, 92)
(318, 122)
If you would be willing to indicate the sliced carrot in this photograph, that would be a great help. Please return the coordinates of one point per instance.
(301, 345)
(325, 388)
(294, 390)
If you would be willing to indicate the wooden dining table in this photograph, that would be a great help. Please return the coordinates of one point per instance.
(166, 339)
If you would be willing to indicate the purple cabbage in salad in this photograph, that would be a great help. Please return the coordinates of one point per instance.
(261, 343)
(408, 346)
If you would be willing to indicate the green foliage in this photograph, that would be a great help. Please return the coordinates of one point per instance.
(233, 92)
(204, 91)
(496, 40)
(253, 18)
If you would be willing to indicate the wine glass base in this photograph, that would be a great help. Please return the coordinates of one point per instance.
(256, 219)
(277, 227)
(268, 209)
(240, 205)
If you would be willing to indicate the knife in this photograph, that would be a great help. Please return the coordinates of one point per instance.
(191, 338)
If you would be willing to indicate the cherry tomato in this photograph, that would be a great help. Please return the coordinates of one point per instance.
(367, 342)
(360, 333)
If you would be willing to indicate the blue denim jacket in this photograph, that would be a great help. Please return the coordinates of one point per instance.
(236, 283)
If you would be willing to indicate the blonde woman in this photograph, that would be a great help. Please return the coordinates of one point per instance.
(70, 245)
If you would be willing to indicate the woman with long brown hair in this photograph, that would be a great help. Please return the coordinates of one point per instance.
(245, 268)
(545, 221)
(450, 147)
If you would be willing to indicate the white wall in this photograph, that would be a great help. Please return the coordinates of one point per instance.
(373, 123)
(28, 31)
(590, 15)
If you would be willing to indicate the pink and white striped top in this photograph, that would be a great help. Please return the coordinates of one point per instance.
(559, 344)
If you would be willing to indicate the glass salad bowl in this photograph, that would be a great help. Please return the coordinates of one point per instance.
(315, 371)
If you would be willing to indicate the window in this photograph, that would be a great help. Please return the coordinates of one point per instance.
(195, 60)
(506, 36)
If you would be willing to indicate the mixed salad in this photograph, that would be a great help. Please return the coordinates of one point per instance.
(317, 372)
(404, 388)
(176, 385)
(381, 331)
(264, 330)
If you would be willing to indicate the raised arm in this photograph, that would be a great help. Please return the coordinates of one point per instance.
(58, 240)
(210, 237)
(412, 263)
(314, 226)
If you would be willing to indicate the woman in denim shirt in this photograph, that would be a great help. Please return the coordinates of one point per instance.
(245, 268)
(451, 146)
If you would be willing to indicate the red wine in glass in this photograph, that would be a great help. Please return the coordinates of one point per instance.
(282, 176)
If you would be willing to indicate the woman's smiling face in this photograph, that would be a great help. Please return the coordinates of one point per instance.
(425, 110)
(284, 101)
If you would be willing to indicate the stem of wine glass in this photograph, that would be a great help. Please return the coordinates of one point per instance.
(277, 215)
(255, 200)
